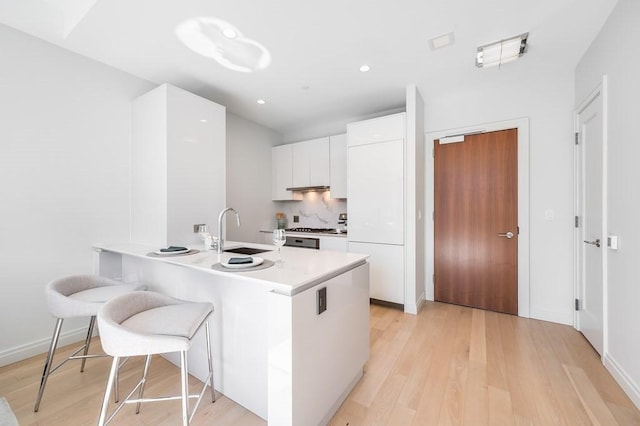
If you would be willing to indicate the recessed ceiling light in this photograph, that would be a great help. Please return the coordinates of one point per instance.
(501, 52)
(365, 68)
(261, 101)
(441, 41)
(204, 120)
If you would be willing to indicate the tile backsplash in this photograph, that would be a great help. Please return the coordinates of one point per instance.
(316, 210)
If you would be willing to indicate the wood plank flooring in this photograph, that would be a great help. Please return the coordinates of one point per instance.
(448, 365)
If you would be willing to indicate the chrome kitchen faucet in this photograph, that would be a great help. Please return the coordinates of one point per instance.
(220, 217)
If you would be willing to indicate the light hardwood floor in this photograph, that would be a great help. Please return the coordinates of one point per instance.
(447, 365)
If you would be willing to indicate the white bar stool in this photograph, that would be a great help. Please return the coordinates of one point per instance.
(147, 323)
(77, 296)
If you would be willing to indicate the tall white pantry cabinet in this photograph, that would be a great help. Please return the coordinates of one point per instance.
(178, 162)
(376, 181)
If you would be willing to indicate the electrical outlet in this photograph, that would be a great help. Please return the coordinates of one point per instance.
(322, 300)
(196, 226)
(296, 219)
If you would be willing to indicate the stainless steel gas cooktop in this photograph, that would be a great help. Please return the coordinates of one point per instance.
(314, 230)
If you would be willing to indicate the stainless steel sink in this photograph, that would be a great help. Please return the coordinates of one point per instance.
(247, 250)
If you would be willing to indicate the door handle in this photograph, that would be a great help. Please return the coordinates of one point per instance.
(593, 243)
(508, 235)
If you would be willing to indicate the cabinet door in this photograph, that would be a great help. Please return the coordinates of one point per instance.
(386, 273)
(333, 243)
(300, 165)
(311, 163)
(338, 165)
(281, 173)
(376, 192)
(378, 129)
(319, 162)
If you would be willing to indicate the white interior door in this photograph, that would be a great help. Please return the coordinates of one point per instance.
(591, 235)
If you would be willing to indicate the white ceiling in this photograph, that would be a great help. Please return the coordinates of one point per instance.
(318, 44)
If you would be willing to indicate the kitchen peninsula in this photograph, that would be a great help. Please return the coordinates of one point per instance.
(276, 351)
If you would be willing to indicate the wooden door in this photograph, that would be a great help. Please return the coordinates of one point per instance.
(476, 221)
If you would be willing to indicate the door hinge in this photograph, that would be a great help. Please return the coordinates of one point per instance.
(577, 305)
(577, 222)
(433, 278)
(433, 152)
(433, 215)
(577, 138)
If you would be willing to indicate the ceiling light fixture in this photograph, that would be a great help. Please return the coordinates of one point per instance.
(261, 101)
(229, 33)
(365, 68)
(219, 40)
(501, 52)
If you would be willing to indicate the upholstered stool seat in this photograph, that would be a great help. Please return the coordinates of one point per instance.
(77, 296)
(148, 323)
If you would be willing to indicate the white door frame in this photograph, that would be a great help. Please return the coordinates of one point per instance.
(522, 124)
(599, 90)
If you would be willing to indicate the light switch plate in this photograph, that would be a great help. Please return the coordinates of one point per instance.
(612, 242)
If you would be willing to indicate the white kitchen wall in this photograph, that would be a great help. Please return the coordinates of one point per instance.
(248, 178)
(614, 53)
(316, 210)
(544, 94)
(64, 177)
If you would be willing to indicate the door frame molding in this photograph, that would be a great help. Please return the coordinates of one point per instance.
(600, 89)
(522, 124)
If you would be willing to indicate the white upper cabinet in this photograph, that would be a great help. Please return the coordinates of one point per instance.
(311, 163)
(380, 129)
(282, 173)
(338, 165)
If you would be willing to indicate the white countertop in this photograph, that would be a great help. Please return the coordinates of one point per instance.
(302, 268)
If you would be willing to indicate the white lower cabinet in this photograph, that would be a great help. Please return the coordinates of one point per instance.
(333, 243)
(386, 280)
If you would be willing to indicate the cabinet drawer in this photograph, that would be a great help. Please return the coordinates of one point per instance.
(376, 130)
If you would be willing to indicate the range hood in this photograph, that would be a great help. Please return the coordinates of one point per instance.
(309, 188)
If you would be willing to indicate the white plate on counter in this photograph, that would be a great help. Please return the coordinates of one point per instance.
(256, 261)
(171, 253)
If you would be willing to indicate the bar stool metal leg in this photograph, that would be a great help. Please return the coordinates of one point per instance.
(48, 362)
(107, 392)
(87, 342)
(147, 362)
(184, 376)
(213, 392)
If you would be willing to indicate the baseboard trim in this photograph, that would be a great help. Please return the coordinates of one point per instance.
(386, 303)
(552, 316)
(19, 353)
(627, 384)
